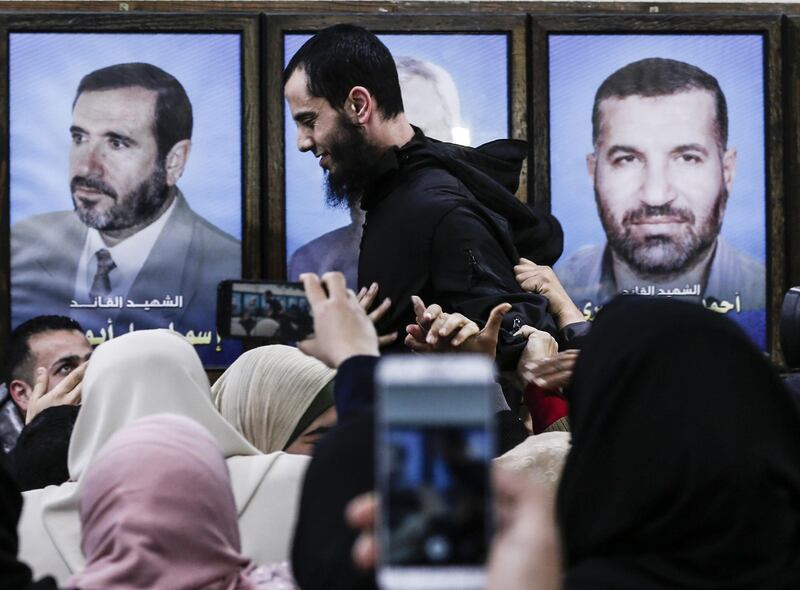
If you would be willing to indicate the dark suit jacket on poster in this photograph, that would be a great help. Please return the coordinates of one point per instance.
(189, 258)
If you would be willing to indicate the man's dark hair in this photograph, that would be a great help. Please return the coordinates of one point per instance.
(19, 354)
(657, 76)
(343, 56)
(173, 117)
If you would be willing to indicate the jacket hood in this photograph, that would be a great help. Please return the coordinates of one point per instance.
(491, 172)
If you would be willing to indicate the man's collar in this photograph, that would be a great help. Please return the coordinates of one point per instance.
(387, 166)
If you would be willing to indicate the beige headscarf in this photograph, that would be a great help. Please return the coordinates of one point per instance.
(136, 375)
(266, 392)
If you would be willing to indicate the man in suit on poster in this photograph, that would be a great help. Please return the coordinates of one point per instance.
(662, 172)
(132, 251)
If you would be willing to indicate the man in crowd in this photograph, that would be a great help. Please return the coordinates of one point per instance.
(132, 247)
(442, 221)
(53, 343)
(662, 172)
(431, 102)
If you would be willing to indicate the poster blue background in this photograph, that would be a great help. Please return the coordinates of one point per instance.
(45, 69)
(579, 64)
(478, 64)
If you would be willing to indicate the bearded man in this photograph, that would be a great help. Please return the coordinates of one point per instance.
(132, 237)
(441, 220)
(662, 172)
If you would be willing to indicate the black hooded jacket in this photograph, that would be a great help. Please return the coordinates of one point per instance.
(442, 222)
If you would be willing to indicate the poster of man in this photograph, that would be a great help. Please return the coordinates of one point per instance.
(671, 144)
(454, 87)
(129, 215)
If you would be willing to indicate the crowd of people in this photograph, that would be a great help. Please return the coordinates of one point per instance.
(652, 448)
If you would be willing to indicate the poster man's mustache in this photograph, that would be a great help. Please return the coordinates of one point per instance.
(92, 183)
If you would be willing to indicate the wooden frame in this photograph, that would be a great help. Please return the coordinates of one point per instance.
(278, 26)
(248, 177)
(766, 26)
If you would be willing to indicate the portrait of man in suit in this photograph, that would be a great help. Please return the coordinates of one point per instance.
(662, 169)
(131, 253)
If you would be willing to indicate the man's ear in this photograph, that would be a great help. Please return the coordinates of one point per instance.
(591, 165)
(360, 105)
(176, 160)
(20, 391)
(729, 168)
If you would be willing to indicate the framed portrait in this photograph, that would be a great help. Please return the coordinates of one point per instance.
(133, 172)
(662, 160)
(462, 81)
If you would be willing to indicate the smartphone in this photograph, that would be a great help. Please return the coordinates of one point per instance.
(433, 451)
(270, 311)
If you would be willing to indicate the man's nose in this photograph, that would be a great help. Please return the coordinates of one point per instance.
(657, 186)
(89, 161)
(304, 141)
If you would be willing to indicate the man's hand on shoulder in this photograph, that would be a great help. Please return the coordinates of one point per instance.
(540, 279)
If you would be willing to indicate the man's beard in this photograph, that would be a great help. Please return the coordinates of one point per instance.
(664, 255)
(354, 158)
(141, 204)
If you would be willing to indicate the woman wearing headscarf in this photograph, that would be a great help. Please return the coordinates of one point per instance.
(172, 526)
(136, 375)
(685, 463)
(279, 398)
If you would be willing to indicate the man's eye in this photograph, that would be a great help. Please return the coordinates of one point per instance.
(65, 370)
(117, 144)
(624, 160)
(690, 158)
(77, 138)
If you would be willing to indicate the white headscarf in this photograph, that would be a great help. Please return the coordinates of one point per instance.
(265, 393)
(136, 375)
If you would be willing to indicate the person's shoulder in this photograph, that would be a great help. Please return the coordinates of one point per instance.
(582, 260)
(212, 235)
(742, 260)
(53, 219)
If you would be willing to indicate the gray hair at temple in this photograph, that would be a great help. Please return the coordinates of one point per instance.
(430, 97)
(657, 76)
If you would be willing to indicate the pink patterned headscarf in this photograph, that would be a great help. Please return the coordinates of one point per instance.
(157, 511)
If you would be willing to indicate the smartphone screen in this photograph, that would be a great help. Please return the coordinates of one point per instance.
(437, 495)
(275, 311)
(434, 450)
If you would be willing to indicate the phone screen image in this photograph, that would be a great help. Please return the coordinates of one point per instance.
(276, 311)
(436, 487)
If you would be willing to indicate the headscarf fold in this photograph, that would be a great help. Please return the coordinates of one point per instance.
(266, 392)
(157, 511)
(685, 463)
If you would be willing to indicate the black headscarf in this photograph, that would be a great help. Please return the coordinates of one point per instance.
(14, 575)
(685, 463)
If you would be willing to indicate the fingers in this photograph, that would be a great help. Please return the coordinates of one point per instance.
(437, 319)
(361, 514)
(492, 327)
(313, 288)
(366, 296)
(387, 339)
(416, 345)
(336, 285)
(526, 331)
(73, 380)
(419, 307)
(39, 386)
(379, 311)
(552, 372)
(361, 511)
